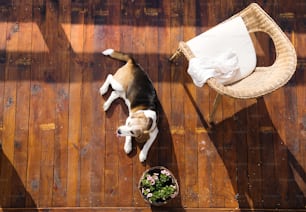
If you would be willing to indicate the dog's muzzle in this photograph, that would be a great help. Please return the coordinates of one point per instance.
(121, 132)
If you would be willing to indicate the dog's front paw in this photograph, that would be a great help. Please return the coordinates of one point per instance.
(128, 145)
(108, 52)
(142, 156)
(127, 149)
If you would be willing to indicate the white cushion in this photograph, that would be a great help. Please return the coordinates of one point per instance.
(228, 36)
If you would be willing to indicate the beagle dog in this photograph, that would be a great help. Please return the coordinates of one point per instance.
(133, 85)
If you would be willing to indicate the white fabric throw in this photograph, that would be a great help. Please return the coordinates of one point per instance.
(225, 52)
(224, 68)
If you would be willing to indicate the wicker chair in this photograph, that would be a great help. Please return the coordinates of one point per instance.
(262, 80)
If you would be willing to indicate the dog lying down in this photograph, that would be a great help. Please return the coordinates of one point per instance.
(133, 85)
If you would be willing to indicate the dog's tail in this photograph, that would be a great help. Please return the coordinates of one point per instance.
(117, 55)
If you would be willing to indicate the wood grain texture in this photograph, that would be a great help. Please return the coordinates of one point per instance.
(127, 183)
(59, 150)
(59, 192)
(112, 143)
(22, 110)
(76, 34)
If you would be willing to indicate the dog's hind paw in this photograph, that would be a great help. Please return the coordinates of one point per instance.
(103, 90)
(106, 106)
(108, 52)
(142, 156)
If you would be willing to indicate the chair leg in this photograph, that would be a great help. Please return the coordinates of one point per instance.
(178, 51)
(215, 106)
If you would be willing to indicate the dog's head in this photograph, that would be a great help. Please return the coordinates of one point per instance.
(137, 125)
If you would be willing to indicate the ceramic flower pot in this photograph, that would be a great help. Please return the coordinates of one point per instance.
(158, 185)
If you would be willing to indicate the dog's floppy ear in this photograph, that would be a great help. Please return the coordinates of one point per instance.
(150, 123)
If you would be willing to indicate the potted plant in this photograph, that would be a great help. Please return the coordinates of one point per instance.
(157, 185)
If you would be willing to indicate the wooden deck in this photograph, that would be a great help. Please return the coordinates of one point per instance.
(59, 151)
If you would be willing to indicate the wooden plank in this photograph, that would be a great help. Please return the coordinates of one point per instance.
(254, 158)
(280, 148)
(59, 195)
(295, 154)
(125, 165)
(270, 192)
(111, 169)
(219, 173)
(299, 42)
(163, 148)
(112, 143)
(241, 195)
(3, 62)
(151, 15)
(217, 183)
(176, 119)
(9, 110)
(47, 135)
(98, 118)
(167, 141)
(205, 146)
(139, 50)
(4, 14)
(75, 97)
(23, 63)
(229, 153)
(34, 145)
(190, 119)
(140, 209)
(87, 145)
(191, 149)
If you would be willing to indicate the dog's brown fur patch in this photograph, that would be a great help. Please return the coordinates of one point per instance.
(143, 138)
(125, 75)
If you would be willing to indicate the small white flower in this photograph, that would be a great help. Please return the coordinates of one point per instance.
(165, 172)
